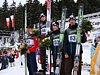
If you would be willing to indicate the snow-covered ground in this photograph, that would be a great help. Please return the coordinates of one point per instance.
(86, 56)
(19, 70)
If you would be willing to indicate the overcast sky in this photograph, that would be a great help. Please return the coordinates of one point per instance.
(17, 1)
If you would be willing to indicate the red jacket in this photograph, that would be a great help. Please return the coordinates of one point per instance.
(36, 45)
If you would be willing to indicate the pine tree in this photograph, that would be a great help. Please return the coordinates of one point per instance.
(19, 17)
(55, 11)
(2, 19)
(29, 1)
(34, 10)
(5, 10)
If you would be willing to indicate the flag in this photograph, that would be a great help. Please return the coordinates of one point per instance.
(95, 62)
(12, 20)
(8, 22)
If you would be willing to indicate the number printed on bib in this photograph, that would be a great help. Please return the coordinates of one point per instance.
(56, 42)
(72, 38)
(43, 30)
(30, 42)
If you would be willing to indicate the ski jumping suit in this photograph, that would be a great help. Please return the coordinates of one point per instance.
(69, 45)
(43, 49)
(54, 36)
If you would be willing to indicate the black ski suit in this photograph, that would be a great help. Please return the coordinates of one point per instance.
(43, 49)
(54, 36)
(69, 47)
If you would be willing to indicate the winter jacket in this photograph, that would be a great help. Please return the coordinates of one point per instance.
(11, 58)
(35, 46)
(54, 37)
(69, 43)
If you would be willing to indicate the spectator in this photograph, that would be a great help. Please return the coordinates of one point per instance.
(11, 60)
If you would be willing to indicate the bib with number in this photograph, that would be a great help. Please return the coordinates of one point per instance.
(43, 30)
(30, 42)
(72, 37)
(56, 42)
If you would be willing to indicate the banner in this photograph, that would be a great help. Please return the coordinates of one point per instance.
(8, 22)
(48, 13)
(48, 23)
(95, 62)
(48, 10)
(12, 20)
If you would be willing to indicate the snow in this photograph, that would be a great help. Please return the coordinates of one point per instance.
(20, 71)
(86, 53)
(13, 71)
(16, 70)
(85, 73)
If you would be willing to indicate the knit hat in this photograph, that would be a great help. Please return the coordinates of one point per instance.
(55, 24)
(42, 15)
(72, 17)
